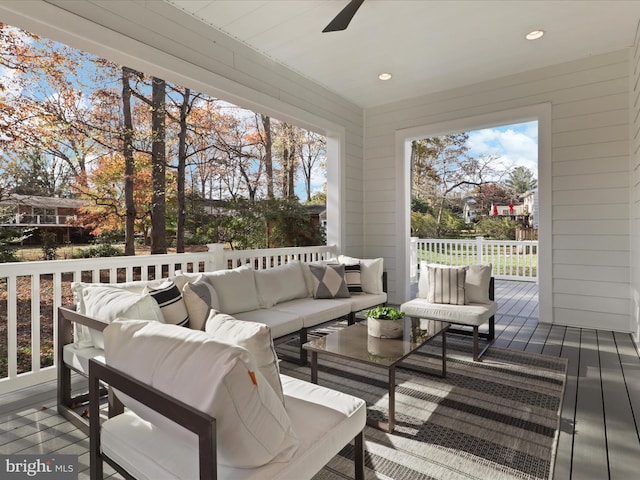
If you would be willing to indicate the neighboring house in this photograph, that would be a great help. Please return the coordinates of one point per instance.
(469, 209)
(52, 214)
(530, 203)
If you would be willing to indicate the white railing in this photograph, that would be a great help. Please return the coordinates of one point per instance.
(31, 292)
(511, 260)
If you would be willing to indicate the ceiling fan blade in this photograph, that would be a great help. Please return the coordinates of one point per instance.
(341, 22)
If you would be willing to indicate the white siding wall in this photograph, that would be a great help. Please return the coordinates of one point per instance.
(589, 171)
(634, 198)
(161, 40)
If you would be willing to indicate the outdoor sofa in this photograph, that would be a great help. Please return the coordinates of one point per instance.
(289, 299)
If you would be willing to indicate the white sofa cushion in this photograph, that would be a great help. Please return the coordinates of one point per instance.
(314, 312)
(324, 420)
(200, 299)
(82, 333)
(474, 314)
(169, 299)
(280, 322)
(279, 284)
(364, 301)
(236, 289)
(254, 337)
(107, 303)
(78, 358)
(219, 379)
(371, 270)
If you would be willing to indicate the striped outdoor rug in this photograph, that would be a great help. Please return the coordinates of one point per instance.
(496, 419)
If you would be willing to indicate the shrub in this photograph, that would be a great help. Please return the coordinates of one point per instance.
(99, 250)
(497, 228)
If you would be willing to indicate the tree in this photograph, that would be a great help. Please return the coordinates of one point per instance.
(491, 193)
(158, 167)
(521, 180)
(129, 164)
(312, 150)
(447, 167)
(268, 157)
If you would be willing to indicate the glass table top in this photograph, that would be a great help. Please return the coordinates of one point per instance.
(354, 343)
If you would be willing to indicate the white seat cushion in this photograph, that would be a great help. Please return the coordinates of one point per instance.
(78, 358)
(364, 301)
(281, 323)
(473, 314)
(315, 311)
(324, 420)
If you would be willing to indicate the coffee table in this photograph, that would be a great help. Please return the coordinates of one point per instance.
(354, 343)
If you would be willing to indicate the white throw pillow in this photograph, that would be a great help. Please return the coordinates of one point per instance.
(477, 283)
(446, 285)
(200, 298)
(279, 284)
(82, 333)
(107, 303)
(236, 289)
(371, 270)
(219, 379)
(253, 336)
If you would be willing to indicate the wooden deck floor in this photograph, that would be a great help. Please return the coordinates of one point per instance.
(599, 438)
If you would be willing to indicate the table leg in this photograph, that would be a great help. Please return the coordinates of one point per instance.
(392, 398)
(314, 367)
(444, 353)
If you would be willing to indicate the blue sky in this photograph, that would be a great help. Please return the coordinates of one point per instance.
(516, 145)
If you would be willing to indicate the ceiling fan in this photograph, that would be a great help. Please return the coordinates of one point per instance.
(341, 21)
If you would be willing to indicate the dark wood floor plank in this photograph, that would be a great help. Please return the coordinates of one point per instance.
(589, 443)
(628, 355)
(538, 338)
(569, 344)
(623, 447)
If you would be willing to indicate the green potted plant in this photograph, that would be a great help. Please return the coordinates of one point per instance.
(385, 322)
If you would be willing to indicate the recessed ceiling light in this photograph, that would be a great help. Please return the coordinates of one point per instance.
(384, 76)
(534, 35)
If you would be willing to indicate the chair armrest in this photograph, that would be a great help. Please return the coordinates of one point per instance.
(70, 316)
(384, 282)
(200, 423)
(492, 292)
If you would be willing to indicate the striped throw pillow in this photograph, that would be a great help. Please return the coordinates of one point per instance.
(171, 303)
(446, 285)
(353, 278)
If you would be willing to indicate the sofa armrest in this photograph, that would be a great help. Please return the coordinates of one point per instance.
(384, 282)
(203, 425)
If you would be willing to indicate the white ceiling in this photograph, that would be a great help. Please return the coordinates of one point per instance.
(428, 45)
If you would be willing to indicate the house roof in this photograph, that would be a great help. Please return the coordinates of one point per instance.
(428, 46)
(42, 202)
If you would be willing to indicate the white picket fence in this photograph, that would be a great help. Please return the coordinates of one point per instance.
(32, 292)
(511, 260)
